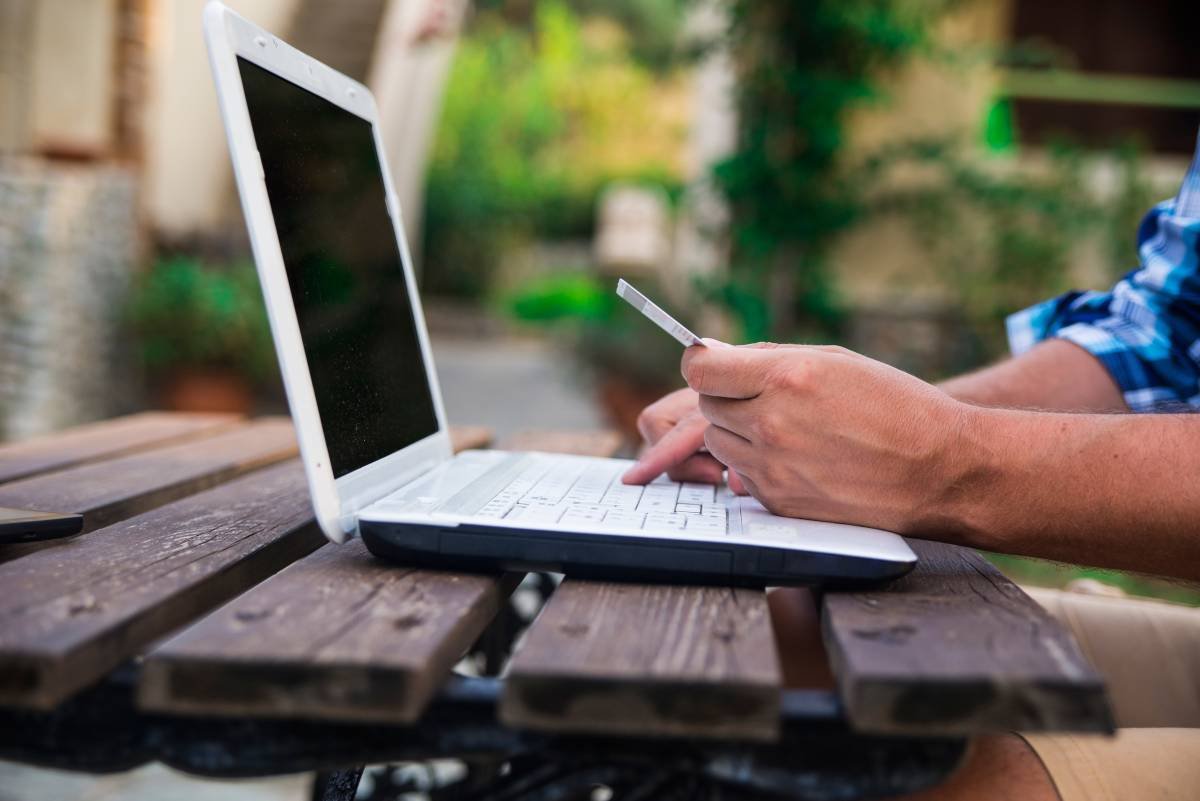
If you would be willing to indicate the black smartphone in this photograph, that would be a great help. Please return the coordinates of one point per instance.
(23, 525)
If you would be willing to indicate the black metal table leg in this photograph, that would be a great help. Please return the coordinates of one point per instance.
(336, 785)
(816, 758)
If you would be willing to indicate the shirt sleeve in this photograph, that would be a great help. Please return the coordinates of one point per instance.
(1146, 329)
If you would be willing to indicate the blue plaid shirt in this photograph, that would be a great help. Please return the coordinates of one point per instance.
(1146, 330)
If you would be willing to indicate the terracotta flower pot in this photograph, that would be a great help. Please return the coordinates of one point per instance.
(207, 391)
(623, 400)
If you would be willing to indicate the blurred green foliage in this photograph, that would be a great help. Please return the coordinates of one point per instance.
(1044, 573)
(1001, 235)
(802, 67)
(653, 26)
(187, 314)
(535, 121)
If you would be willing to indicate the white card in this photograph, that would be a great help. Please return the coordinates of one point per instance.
(659, 317)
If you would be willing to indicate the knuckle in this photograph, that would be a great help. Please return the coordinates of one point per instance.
(643, 419)
(765, 428)
(647, 422)
(712, 440)
(795, 375)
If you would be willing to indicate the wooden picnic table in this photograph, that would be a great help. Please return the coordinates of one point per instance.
(201, 620)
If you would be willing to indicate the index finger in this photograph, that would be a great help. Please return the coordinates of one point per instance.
(681, 442)
(737, 373)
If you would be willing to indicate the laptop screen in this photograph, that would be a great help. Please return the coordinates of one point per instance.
(343, 263)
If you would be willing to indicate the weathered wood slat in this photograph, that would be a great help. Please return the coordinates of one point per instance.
(71, 613)
(104, 440)
(105, 492)
(338, 635)
(955, 647)
(635, 659)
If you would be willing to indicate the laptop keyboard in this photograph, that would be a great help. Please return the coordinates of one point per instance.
(571, 494)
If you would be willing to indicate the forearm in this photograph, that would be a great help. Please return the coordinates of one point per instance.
(1057, 375)
(1115, 491)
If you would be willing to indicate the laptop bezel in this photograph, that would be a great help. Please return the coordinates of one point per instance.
(336, 502)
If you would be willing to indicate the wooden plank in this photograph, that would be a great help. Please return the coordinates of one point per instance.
(339, 635)
(70, 614)
(585, 443)
(108, 491)
(649, 660)
(956, 648)
(465, 438)
(104, 440)
(638, 659)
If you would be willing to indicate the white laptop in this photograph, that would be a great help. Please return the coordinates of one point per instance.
(349, 332)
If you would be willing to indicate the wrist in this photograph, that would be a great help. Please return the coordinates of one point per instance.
(968, 466)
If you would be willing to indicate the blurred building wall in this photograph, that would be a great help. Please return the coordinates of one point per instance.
(188, 178)
(902, 309)
(410, 64)
(189, 182)
(68, 245)
(880, 263)
(74, 47)
(56, 76)
(69, 215)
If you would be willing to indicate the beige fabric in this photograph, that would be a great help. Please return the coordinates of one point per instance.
(1136, 765)
(1149, 653)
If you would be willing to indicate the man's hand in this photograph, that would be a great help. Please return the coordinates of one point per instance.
(824, 433)
(674, 429)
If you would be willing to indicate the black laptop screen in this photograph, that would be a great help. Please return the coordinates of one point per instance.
(343, 263)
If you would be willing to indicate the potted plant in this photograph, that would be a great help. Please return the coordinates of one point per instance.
(202, 334)
(631, 362)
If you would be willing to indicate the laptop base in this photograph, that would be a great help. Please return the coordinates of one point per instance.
(482, 548)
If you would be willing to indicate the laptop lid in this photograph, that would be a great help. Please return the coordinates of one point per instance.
(329, 247)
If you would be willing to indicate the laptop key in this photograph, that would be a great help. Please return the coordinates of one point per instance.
(668, 521)
(619, 519)
(705, 525)
(577, 518)
(697, 493)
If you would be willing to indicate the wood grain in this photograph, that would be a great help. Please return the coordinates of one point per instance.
(639, 659)
(104, 440)
(955, 647)
(71, 613)
(338, 635)
(112, 490)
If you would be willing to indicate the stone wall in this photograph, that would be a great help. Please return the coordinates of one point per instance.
(68, 249)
